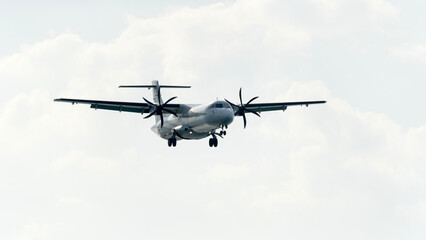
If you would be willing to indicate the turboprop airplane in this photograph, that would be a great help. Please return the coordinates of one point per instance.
(175, 122)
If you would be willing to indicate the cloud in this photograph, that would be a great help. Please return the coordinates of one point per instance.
(227, 172)
(339, 157)
(333, 168)
(80, 160)
(409, 52)
(36, 231)
(413, 213)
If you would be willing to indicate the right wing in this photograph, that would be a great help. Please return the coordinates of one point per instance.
(134, 107)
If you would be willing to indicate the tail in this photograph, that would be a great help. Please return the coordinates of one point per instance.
(156, 93)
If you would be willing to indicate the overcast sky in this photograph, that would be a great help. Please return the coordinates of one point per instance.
(353, 168)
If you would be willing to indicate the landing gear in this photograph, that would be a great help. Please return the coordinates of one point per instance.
(171, 142)
(213, 142)
(213, 139)
(223, 132)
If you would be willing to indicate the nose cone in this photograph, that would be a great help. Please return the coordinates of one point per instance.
(221, 117)
(228, 117)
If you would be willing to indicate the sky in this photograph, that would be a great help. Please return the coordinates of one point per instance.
(353, 168)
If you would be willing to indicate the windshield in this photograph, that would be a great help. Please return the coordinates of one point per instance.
(220, 104)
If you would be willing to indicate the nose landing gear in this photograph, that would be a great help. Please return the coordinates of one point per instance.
(223, 132)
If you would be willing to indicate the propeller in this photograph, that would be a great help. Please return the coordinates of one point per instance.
(159, 109)
(242, 108)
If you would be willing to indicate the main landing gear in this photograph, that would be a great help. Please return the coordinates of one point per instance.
(171, 142)
(213, 142)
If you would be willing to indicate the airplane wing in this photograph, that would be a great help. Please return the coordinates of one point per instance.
(265, 107)
(256, 108)
(134, 107)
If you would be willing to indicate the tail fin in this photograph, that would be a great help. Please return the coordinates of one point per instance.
(156, 93)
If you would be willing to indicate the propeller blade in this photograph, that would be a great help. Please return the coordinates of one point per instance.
(169, 100)
(162, 120)
(254, 112)
(150, 103)
(233, 105)
(169, 111)
(241, 98)
(251, 100)
(245, 120)
(150, 115)
(159, 95)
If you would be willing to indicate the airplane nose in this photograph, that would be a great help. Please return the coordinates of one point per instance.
(221, 117)
(228, 117)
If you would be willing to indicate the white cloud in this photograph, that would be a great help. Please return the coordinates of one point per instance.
(36, 231)
(81, 161)
(406, 52)
(413, 213)
(329, 166)
(346, 159)
(350, 20)
(227, 172)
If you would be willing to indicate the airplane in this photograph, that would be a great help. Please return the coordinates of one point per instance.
(175, 122)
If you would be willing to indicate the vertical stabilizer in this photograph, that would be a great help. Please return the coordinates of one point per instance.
(155, 93)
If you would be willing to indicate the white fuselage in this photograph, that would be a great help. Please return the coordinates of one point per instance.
(197, 122)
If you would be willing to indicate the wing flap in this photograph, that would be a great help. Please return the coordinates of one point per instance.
(140, 110)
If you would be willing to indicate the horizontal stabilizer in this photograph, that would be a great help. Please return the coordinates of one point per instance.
(152, 86)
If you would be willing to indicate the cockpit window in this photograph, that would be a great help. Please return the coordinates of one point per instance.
(226, 105)
(220, 105)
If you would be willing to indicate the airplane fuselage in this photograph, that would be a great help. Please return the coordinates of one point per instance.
(199, 121)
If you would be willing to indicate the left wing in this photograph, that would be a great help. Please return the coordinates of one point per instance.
(134, 107)
(265, 107)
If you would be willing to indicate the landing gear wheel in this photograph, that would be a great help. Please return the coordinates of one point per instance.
(215, 142)
(224, 133)
(171, 142)
(211, 142)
